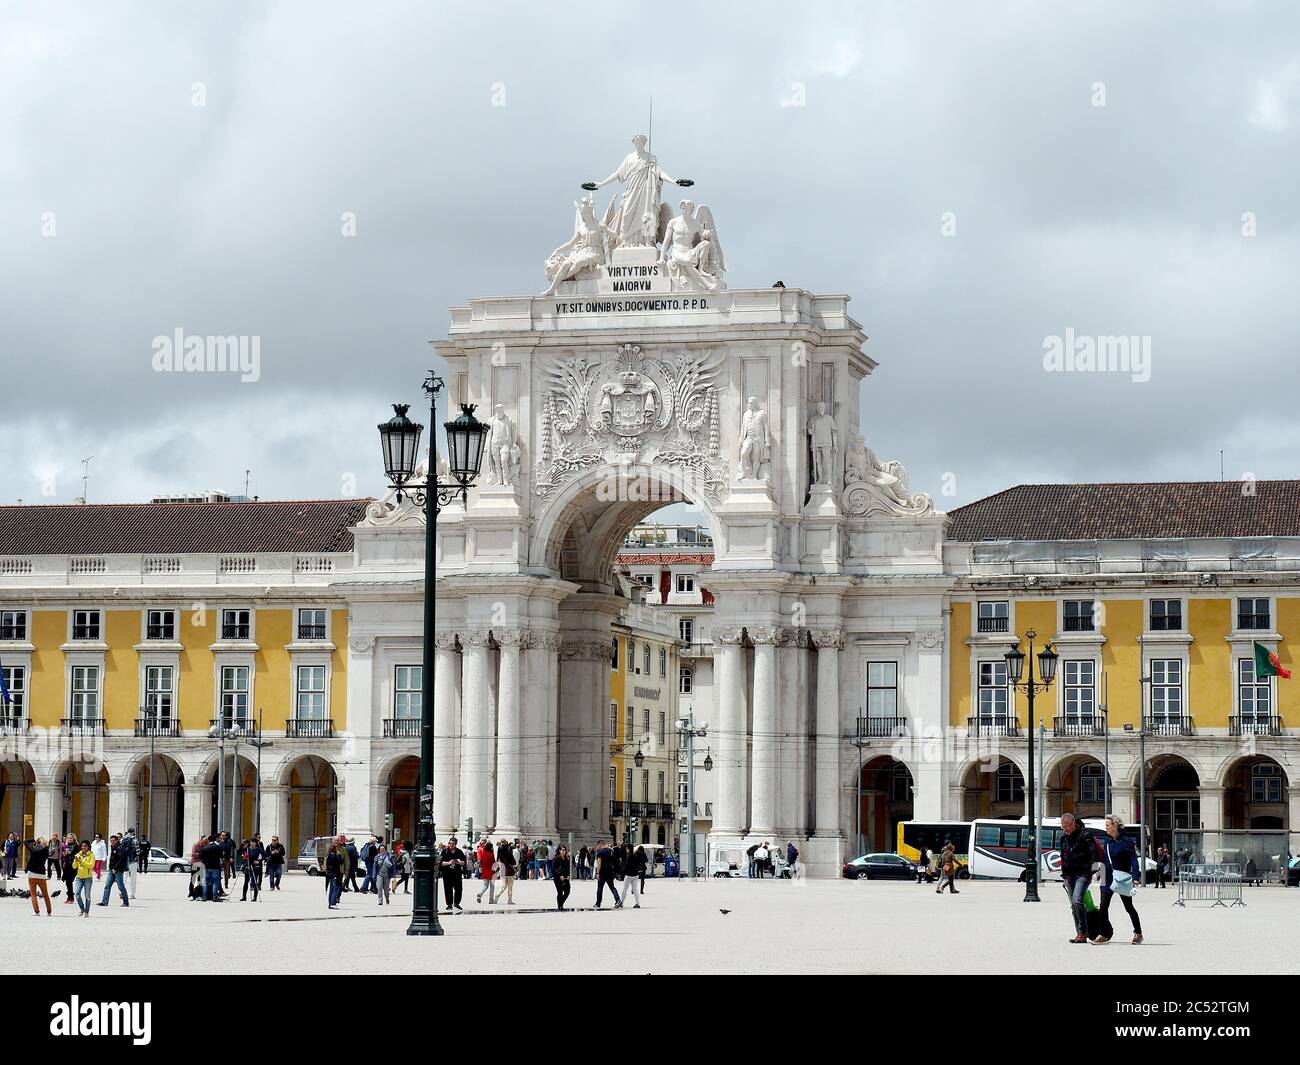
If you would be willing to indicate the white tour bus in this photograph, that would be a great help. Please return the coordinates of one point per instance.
(1000, 848)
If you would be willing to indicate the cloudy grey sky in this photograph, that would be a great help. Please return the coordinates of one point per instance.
(831, 140)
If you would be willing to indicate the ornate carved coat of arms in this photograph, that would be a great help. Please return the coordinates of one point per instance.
(631, 408)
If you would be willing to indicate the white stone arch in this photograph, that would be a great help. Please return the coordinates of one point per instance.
(1162, 754)
(609, 519)
(1220, 774)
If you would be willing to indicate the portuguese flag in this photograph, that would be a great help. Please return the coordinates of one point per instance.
(1267, 665)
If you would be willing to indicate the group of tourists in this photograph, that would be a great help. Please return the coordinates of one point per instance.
(385, 870)
(213, 861)
(79, 864)
(763, 857)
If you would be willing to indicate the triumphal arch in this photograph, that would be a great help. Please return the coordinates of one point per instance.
(641, 377)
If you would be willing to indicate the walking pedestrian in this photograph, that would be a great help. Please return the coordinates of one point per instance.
(212, 859)
(11, 856)
(792, 857)
(1162, 866)
(922, 864)
(253, 855)
(508, 858)
(227, 845)
(947, 868)
(133, 854)
(582, 862)
(605, 872)
(54, 863)
(335, 867)
(38, 871)
(451, 862)
(99, 848)
(119, 861)
(353, 860)
(368, 853)
(83, 864)
(633, 871)
(70, 849)
(1078, 852)
(559, 874)
(406, 866)
(275, 855)
(486, 861)
(1120, 876)
(142, 860)
(381, 875)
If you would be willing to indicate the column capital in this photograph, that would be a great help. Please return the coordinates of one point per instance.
(549, 641)
(788, 637)
(764, 634)
(444, 641)
(727, 635)
(828, 638)
(475, 637)
(513, 637)
(584, 650)
(930, 639)
(361, 645)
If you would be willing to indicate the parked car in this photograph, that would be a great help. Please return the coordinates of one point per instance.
(881, 866)
(161, 860)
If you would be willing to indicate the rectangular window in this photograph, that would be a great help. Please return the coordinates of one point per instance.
(1078, 615)
(160, 625)
(686, 630)
(993, 692)
(613, 653)
(311, 623)
(13, 624)
(613, 784)
(16, 681)
(1092, 781)
(631, 725)
(882, 689)
(685, 583)
(1265, 782)
(311, 694)
(1166, 615)
(159, 692)
(631, 655)
(645, 720)
(645, 660)
(662, 783)
(408, 692)
(234, 694)
(645, 785)
(236, 624)
(992, 616)
(663, 662)
(685, 679)
(1252, 614)
(1254, 694)
(1079, 691)
(628, 784)
(1166, 693)
(85, 693)
(663, 728)
(85, 624)
(613, 721)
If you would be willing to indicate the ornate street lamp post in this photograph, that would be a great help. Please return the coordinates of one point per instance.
(399, 437)
(687, 730)
(1047, 659)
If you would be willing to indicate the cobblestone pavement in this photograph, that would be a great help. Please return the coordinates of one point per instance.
(767, 926)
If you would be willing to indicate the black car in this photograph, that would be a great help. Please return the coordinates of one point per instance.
(879, 867)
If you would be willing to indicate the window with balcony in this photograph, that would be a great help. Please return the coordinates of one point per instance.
(85, 693)
(236, 624)
(1008, 784)
(686, 630)
(882, 691)
(1078, 615)
(613, 784)
(159, 695)
(311, 623)
(685, 680)
(1254, 695)
(408, 692)
(993, 693)
(15, 683)
(1078, 692)
(234, 695)
(13, 624)
(1265, 782)
(310, 702)
(1166, 615)
(685, 583)
(1166, 693)
(85, 624)
(160, 625)
(663, 662)
(645, 785)
(992, 616)
(1253, 614)
(628, 785)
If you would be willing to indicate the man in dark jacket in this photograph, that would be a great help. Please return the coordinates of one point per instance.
(119, 861)
(1078, 853)
(212, 857)
(451, 869)
(368, 856)
(254, 854)
(274, 863)
(350, 874)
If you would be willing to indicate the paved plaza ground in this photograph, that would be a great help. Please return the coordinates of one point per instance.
(771, 927)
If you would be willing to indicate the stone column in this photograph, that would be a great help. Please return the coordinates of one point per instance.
(1123, 801)
(828, 642)
(198, 813)
(509, 766)
(446, 728)
(353, 776)
(583, 784)
(1211, 809)
(729, 813)
(272, 801)
(121, 807)
(551, 644)
(47, 813)
(478, 748)
(923, 718)
(536, 745)
(765, 757)
(792, 750)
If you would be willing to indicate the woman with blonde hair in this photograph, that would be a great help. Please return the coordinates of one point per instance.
(1120, 876)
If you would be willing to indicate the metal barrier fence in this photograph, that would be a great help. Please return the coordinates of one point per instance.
(1220, 884)
(1264, 855)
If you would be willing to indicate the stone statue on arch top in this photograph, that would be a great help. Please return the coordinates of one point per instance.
(642, 179)
(691, 255)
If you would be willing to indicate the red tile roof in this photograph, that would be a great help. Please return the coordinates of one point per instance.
(179, 528)
(1175, 509)
(627, 559)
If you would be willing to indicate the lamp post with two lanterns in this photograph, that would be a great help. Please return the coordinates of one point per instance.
(399, 438)
(1047, 659)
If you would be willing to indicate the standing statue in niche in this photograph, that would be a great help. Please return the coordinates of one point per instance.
(503, 448)
(642, 178)
(755, 442)
(691, 253)
(825, 440)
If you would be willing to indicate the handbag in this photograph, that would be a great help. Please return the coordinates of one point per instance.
(1121, 883)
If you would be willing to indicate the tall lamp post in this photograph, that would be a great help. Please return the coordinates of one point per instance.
(860, 741)
(1142, 773)
(399, 437)
(687, 731)
(219, 732)
(150, 716)
(259, 743)
(638, 760)
(1047, 659)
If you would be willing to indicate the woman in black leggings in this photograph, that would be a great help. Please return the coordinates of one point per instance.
(560, 874)
(1119, 856)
